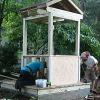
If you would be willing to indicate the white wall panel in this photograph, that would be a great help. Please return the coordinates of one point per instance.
(64, 70)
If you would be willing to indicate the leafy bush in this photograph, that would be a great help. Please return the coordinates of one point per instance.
(89, 41)
(8, 57)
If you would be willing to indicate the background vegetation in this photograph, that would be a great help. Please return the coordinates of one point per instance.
(64, 33)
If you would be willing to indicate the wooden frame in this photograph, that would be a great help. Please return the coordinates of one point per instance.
(76, 7)
(60, 14)
(36, 17)
(52, 2)
(65, 14)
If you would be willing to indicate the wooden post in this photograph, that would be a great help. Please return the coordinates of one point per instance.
(24, 41)
(50, 44)
(50, 34)
(78, 40)
(78, 48)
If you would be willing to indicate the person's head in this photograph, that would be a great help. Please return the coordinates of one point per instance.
(85, 55)
(44, 62)
(37, 58)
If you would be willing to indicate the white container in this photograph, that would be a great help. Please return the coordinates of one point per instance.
(41, 83)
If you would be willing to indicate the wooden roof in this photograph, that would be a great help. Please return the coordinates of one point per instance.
(66, 5)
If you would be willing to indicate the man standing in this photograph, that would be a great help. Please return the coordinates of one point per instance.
(91, 63)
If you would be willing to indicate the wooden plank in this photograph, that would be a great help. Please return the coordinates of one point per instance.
(78, 53)
(78, 40)
(77, 48)
(62, 69)
(24, 40)
(50, 43)
(58, 19)
(75, 7)
(65, 14)
(15, 74)
(36, 17)
(24, 37)
(50, 34)
(34, 6)
(36, 56)
(49, 3)
(7, 77)
(52, 2)
(35, 11)
(41, 11)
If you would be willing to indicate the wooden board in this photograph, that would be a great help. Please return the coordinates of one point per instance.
(63, 70)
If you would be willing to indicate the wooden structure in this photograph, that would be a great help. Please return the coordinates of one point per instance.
(62, 69)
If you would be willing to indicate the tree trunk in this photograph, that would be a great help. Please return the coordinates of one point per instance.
(2, 5)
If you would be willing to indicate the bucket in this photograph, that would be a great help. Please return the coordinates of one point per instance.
(41, 83)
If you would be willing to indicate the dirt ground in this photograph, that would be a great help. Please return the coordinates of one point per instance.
(7, 95)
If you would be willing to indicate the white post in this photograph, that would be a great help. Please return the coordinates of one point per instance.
(50, 44)
(78, 48)
(78, 40)
(24, 41)
(50, 34)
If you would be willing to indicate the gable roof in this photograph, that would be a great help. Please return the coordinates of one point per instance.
(67, 5)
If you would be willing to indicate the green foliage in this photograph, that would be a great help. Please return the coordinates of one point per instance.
(37, 36)
(11, 35)
(88, 41)
(2, 7)
(92, 10)
(64, 38)
(97, 29)
(64, 33)
(92, 16)
(13, 24)
(8, 57)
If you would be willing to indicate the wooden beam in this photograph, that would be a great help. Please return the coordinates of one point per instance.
(65, 14)
(78, 40)
(50, 34)
(75, 7)
(36, 17)
(78, 48)
(64, 6)
(58, 20)
(50, 45)
(7, 77)
(24, 37)
(78, 53)
(24, 41)
(41, 11)
(34, 6)
(52, 2)
(35, 56)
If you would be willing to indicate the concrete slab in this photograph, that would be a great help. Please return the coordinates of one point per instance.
(69, 92)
